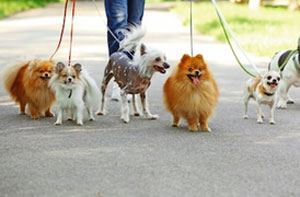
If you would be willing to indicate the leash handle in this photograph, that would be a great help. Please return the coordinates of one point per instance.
(62, 29)
(71, 33)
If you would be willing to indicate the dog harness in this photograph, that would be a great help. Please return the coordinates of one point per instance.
(127, 74)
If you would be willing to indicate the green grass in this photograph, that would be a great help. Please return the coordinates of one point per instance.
(9, 7)
(261, 32)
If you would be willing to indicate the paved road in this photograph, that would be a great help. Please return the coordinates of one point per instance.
(143, 158)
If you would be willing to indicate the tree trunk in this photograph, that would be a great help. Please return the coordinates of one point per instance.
(254, 4)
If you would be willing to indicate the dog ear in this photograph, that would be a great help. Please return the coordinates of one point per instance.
(143, 49)
(77, 67)
(59, 67)
(184, 58)
(200, 57)
(33, 63)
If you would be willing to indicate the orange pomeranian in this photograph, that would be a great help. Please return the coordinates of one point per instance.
(27, 84)
(191, 93)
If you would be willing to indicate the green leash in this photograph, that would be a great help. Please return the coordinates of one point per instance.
(287, 59)
(231, 47)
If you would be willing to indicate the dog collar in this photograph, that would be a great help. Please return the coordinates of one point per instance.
(296, 64)
(269, 94)
(70, 94)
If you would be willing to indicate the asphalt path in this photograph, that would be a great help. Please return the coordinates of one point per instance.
(107, 158)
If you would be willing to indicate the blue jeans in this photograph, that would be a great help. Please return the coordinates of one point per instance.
(120, 14)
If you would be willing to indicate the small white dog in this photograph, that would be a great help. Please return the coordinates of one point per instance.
(74, 89)
(263, 91)
(290, 74)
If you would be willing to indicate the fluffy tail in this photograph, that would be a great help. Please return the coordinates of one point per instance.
(93, 92)
(132, 38)
(9, 75)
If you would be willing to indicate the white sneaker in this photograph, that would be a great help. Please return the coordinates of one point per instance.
(116, 95)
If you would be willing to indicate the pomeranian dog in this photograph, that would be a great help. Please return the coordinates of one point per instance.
(263, 91)
(27, 84)
(74, 89)
(191, 92)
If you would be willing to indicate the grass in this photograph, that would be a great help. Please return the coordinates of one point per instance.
(261, 32)
(9, 7)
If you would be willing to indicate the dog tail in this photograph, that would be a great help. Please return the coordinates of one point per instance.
(92, 92)
(10, 75)
(132, 38)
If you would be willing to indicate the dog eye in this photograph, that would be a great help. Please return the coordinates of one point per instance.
(41, 71)
(200, 69)
(73, 76)
(190, 69)
(269, 77)
(49, 71)
(158, 59)
(65, 75)
(278, 78)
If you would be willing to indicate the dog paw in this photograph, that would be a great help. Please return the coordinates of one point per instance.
(281, 105)
(49, 114)
(245, 117)
(57, 123)
(125, 120)
(272, 122)
(35, 117)
(290, 101)
(79, 123)
(193, 129)
(206, 129)
(91, 119)
(175, 125)
(136, 114)
(100, 113)
(259, 121)
(152, 117)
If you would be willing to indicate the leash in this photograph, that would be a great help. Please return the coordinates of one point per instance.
(63, 30)
(227, 31)
(287, 59)
(71, 33)
(191, 26)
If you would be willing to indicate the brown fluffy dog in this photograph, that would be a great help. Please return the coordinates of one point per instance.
(191, 92)
(27, 84)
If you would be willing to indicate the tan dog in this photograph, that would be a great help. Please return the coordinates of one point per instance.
(191, 92)
(27, 84)
(263, 91)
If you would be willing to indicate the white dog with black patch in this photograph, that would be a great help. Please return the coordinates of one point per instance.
(290, 74)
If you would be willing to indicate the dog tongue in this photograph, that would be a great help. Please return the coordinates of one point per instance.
(195, 80)
(273, 85)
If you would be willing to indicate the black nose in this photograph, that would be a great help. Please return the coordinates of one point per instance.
(166, 65)
(274, 81)
(197, 73)
(69, 79)
(46, 75)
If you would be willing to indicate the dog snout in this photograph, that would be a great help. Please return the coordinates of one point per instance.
(274, 81)
(197, 73)
(166, 65)
(69, 79)
(46, 75)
